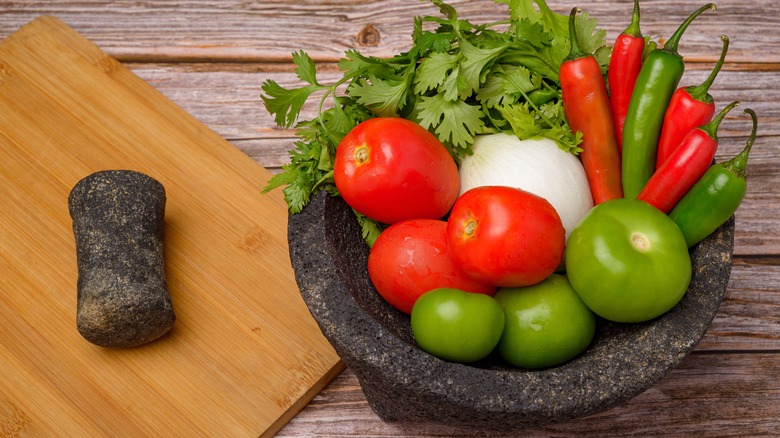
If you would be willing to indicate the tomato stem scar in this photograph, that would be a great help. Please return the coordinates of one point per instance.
(640, 241)
(470, 228)
(362, 155)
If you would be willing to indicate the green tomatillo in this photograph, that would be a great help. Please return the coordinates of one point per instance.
(546, 324)
(455, 325)
(628, 261)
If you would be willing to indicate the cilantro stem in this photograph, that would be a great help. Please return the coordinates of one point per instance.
(494, 24)
(327, 178)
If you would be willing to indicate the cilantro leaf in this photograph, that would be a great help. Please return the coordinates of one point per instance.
(523, 121)
(531, 32)
(591, 38)
(519, 80)
(492, 93)
(433, 71)
(475, 61)
(370, 229)
(429, 42)
(285, 104)
(454, 122)
(306, 70)
(555, 24)
(383, 97)
(299, 176)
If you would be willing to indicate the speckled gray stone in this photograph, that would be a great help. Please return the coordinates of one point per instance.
(403, 383)
(123, 298)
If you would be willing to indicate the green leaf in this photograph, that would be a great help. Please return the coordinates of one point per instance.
(475, 61)
(338, 123)
(540, 62)
(602, 55)
(369, 228)
(285, 104)
(519, 80)
(531, 32)
(451, 85)
(555, 24)
(588, 33)
(383, 97)
(454, 122)
(522, 9)
(433, 71)
(306, 70)
(430, 42)
(551, 111)
(567, 140)
(524, 123)
(355, 65)
(446, 10)
(492, 93)
(299, 175)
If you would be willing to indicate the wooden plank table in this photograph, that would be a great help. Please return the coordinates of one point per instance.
(210, 57)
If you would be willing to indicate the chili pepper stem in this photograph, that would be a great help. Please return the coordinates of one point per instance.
(575, 51)
(674, 41)
(633, 29)
(738, 164)
(701, 92)
(711, 128)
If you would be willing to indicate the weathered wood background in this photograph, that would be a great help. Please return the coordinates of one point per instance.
(211, 57)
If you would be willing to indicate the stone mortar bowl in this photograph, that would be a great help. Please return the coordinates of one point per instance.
(403, 383)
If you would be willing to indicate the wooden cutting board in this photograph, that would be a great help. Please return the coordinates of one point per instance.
(244, 356)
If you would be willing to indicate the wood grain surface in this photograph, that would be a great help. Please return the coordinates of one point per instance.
(244, 354)
(210, 57)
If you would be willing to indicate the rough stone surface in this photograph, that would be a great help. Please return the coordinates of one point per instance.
(123, 298)
(403, 383)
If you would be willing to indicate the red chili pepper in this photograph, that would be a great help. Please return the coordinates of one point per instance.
(624, 66)
(685, 166)
(689, 108)
(586, 103)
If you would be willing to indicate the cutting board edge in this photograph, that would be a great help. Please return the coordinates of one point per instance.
(298, 406)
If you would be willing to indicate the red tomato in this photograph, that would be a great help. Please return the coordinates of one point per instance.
(505, 236)
(410, 258)
(392, 169)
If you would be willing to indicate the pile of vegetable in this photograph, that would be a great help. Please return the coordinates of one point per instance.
(518, 180)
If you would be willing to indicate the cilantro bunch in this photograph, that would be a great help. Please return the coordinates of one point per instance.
(457, 80)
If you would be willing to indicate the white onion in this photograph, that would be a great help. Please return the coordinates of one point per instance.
(536, 165)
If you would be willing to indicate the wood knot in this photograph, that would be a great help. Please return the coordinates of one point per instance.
(255, 241)
(368, 36)
(107, 64)
(5, 71)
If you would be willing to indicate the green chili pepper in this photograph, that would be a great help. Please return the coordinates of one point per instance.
(658, 79)
(716, 196)
(542, 96)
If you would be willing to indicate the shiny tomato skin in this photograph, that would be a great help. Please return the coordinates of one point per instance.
(628, 261)
(457, 326)
(546, 324)
(505, 236)
(392, 169)
(410, 258)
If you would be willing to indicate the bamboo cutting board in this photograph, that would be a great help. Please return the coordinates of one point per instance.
(244, 355)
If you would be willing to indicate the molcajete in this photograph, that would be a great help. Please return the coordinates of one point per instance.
(403, 383)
